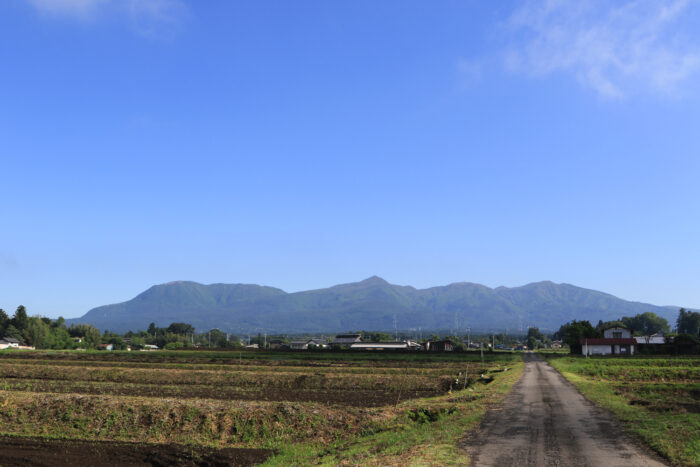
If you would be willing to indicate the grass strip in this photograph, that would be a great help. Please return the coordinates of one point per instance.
(675, 434)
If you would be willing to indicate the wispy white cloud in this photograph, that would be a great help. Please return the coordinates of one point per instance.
(617, 48)
(148, 17)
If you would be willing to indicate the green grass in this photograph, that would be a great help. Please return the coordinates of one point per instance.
(657, 399)
(423, 432)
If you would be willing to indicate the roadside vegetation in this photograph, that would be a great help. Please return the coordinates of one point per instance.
(657, 398)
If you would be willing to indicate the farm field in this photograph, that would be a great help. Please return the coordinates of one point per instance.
(657, 398)
(243, 408)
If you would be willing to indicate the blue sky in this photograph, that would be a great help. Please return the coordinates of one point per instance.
(309, 143)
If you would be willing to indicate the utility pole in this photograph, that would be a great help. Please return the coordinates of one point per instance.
(469, 338)
(396, 330)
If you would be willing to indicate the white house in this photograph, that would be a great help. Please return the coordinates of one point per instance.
(616, 341)
(9, 342)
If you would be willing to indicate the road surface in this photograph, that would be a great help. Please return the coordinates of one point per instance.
(545, 421)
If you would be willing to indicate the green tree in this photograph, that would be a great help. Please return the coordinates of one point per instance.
(688, 322)
(61, 339)
(38, 333)
(646, 324)
(531, 342)
(91, 337)
(4, 322)
(573, 332)
(534, 332)
(152, 329)
(181, 328)
(20, 319)
(13, 332)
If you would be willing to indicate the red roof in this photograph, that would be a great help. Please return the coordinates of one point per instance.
(608, 341)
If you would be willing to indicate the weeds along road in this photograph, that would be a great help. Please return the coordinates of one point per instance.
(545, 421)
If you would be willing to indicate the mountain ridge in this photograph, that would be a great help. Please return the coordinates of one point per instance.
(372, 303)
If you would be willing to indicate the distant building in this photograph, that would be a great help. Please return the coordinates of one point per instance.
(616, 341)
(404, 345)
(105, 347)
(322, 343)
(9, 342)
(305, 344)
(275, 343)
(439, 346)
(346, 340)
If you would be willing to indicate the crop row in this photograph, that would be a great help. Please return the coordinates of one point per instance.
(351, 397)
(229, 378)
(302, 358)
(639, 373)
(223, 423)
(249, 366)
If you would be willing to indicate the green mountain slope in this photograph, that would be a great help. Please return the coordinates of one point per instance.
(370, 304)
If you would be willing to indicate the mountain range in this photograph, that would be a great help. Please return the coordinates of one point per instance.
(372, 304)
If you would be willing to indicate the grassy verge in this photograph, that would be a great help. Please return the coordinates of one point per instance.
(417, 432)
(661, 412)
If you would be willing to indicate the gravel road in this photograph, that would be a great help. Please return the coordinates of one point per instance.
(545, 421)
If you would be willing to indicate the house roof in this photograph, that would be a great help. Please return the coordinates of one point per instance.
(380, 345)
(10, 340)
(608, 341)
(347, 338)
(318, 341)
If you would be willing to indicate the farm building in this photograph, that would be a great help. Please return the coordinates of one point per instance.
(346, 340)
(439, 346)
(9, 342)
(403, 345)
(305, 344)
(616, 341)
(275, 344)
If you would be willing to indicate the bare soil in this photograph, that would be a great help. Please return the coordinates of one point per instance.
(16, 451)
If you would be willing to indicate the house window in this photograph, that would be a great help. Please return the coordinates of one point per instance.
(617, 334)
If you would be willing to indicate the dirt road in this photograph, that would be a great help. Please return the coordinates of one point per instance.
(545, 421)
